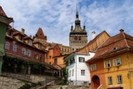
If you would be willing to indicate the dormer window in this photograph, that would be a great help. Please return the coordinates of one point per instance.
(117, 62)
(115, 48)
(107, 64)
(30, 42)
(20, 38)
(10, 33)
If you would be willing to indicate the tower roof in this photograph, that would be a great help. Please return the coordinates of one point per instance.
(40, 33)
(2, 13)
(78, 28)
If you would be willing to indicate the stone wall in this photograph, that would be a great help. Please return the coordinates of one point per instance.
(15, 81)
(10, 83)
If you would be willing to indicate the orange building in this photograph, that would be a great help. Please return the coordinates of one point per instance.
(53, 50)
(112, 65)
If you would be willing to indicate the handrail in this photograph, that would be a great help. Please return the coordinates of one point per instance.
(100, 86)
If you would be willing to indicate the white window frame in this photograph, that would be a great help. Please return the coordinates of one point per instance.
(7, 45)
(119, 79)
(117, 62)
(24, 51)
(30, 42)
(14, 46)
(28, 52)
(81, 59)
(93, 67)
(107, 64)
(110, 82)
(72, 72)
(82, 72)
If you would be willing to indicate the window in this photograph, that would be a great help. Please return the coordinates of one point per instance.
(117, 62)
(30, 42)
(20, 38)
(7, 45)
(37, 57)
(28, 52)
(81, 59)
(72, 72)
(55, 61)
(75, 38)
(109, 80)
(82, 72)
(10, 33)
(119, 79)
(69, 73)
(50, 57)
(40, 58)
(14, 46)
(24, 51)
(107, 64)
(93, 67)
(72, 60)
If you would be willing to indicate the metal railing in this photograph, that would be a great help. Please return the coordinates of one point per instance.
(100, 86)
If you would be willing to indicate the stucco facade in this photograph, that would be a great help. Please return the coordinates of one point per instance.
(78, 71)
(111, 67)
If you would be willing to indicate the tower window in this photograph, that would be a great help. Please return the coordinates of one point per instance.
(79, 38)
(75, 38)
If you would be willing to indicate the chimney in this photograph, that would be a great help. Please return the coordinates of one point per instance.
(30, 36)
(121, 30)
(23, 30)
(93, 34)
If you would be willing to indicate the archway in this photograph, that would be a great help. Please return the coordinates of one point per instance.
(95, 82)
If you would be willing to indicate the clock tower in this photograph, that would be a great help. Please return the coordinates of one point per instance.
(77, 35)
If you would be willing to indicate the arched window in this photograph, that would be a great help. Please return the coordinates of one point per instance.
(7, 45)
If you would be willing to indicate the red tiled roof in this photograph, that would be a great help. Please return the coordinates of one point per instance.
(2, 13)
(114, 45)
(40, 33)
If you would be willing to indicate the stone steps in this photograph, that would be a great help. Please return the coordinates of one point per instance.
(67, 87)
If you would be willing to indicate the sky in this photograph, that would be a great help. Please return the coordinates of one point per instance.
(55, 17)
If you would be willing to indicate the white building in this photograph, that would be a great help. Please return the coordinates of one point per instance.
(78, 71)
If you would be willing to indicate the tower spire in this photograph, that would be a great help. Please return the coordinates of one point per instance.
(77, 21)
(77, 14)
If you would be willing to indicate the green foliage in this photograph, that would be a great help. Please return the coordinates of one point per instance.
(65, 76)
(25, 86)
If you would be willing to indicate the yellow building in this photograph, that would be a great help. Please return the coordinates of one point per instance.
(116, 57)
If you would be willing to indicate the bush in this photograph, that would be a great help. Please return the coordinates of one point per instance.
(25, 86)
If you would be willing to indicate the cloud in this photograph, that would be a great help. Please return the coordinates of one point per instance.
(57, 16)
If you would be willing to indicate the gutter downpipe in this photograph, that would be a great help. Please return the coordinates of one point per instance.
(76, 68)
(129, 75)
